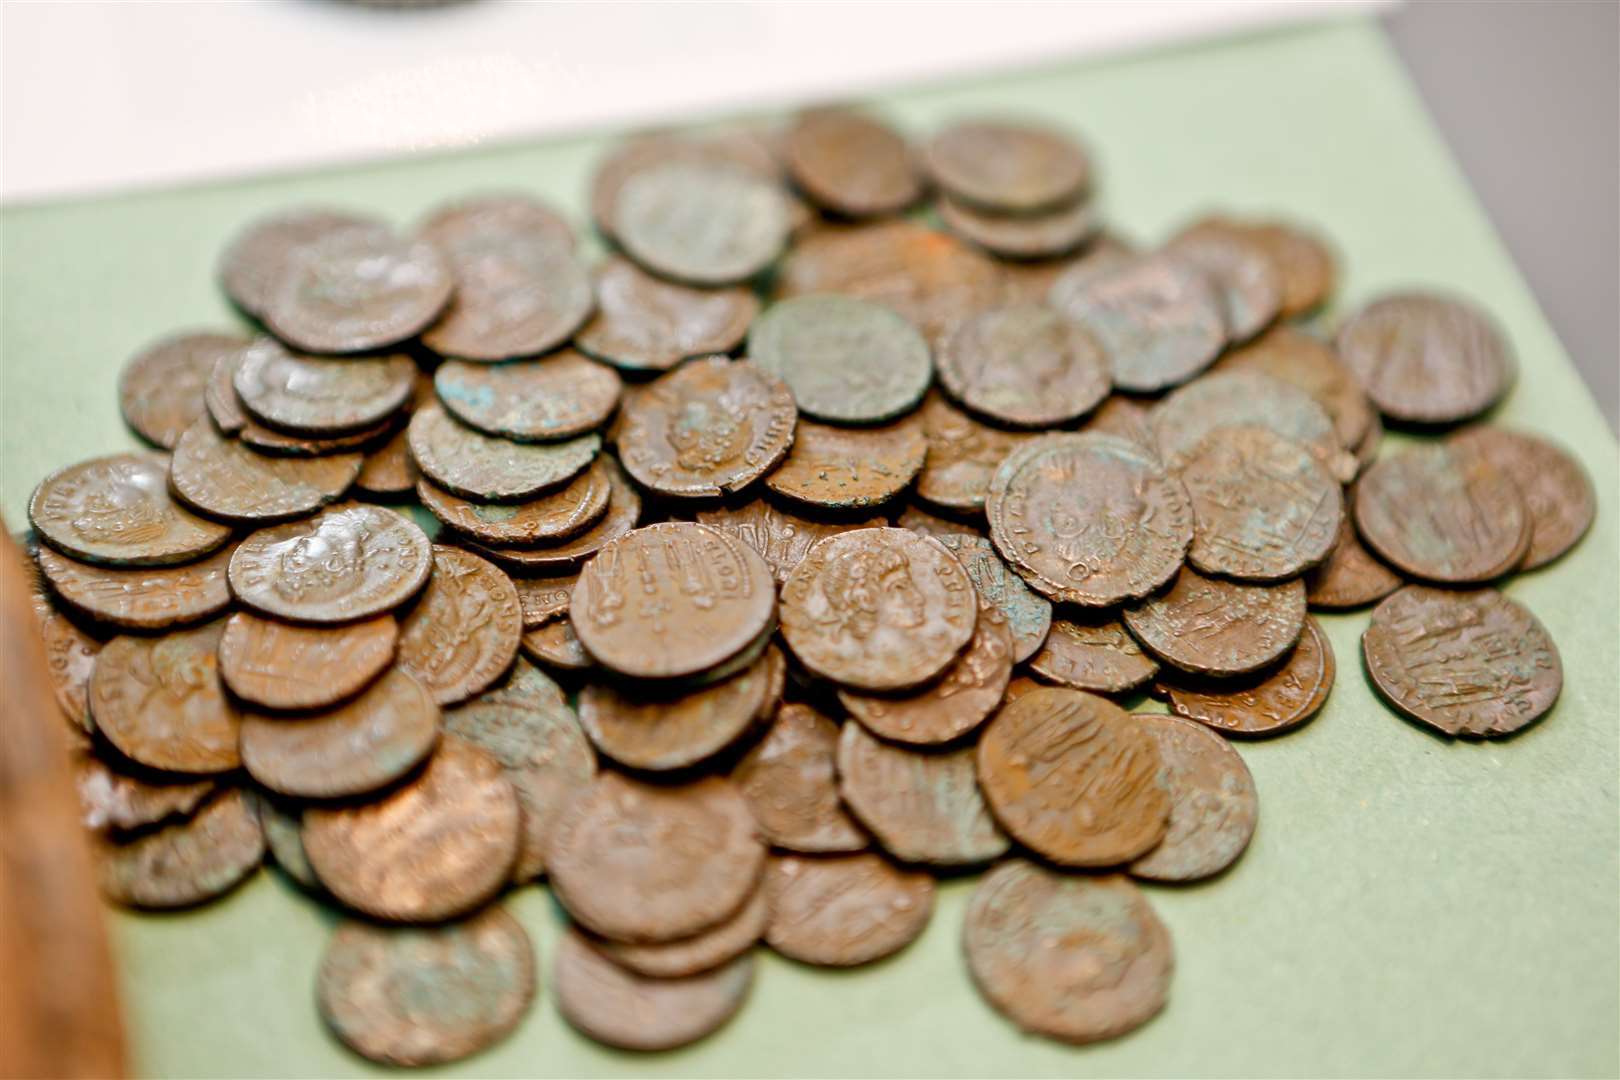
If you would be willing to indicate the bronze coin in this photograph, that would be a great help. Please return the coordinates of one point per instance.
(1028, 614)
(1024, 365)
(519, 291)
(1030, 281)
(700, 223)
(283, 825)
(952, 705)
(1213, 805)
(1073, 777)
(702, 597)
(851, 163)
(644, 323)
(412, 995)
(1350, 577)
(1426, 358)
(543, 599)
(345, 564)
(1043, 235)
(615, 1006)
(847, 360)
(698, 953)
(1271, 701)
(1443, 514)
(70, 655)
(918, 520)
(219, 394)
(844, 910)
(644, 862)
(440, 846)
(256, 257)
(1018, 686)
(1245, 278)
(282, 666)
(161, 388)
(1125, 419)
(1207, 626)
(1303, 260)
(160, 702)
(185, 862)
(1295, 357)
(526, 724)
(963, 455)
(268, 440)
(388, 471)
(120, 800)
(486, 468)
(495, 212)
(312, 395)
(878, 609)
(782, 539)
(354, 748)
(922, 806)
(1089, 519)
(224, 479)
(1464, 663)
(1229, 398)
(1069, 956)
(463, 633)
(1367, 452)
(742, 149)
(1093, 653)
(840, 468)
(151, 598)
(789, 781)
(554, 397)
(555, 646)
(1557, 491)
(1011, 166)
(566, 555)
(116, 510)
(556, 515)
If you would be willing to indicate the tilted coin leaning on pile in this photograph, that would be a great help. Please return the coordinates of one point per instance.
(793, 554)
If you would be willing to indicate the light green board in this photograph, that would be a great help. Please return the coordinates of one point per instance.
(1409, 906)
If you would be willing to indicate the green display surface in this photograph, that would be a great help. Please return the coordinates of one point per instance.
(1410, 905)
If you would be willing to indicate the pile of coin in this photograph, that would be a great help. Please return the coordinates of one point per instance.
(794, 554)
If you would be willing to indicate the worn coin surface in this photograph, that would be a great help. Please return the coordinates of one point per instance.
(267, 440)
(225, 479)
(1303, 260)
(283, 666)
(469, 463)
(1350, 577)
(140, 598)
(544, 598)
(122, 800)
(554, 397)
(1213, 804)
(556, 646)
(187, 861)
(782, 539)
(963, 455)
(739, 148)
(1028, 614)
(1248, 283)
(841, 468)
(1557, 491)
(567, 555)
(952, 705)
(1031, 280)
(491, 213)
(1123, 418)
(519, 291)
(116, 510)
(844, 910)
(1044, 235)
(698, 953)
(1095, 654)
(847, 360)
(789, 781)
(1072, 957)
(927, 523)
(463, 633)
(1295, 357)
(160, 702)
(313, 395)
(1208, 626)
(70, 655)
(257, 256)
(283, 823)
(1268, 702)
(160, 389)
(644, 323)
(555, 515)
(851, 163)
(1464, 663)
(700, 223)
(1012, 166)
(1426, 358)
(1025, 365)
(1229, 398)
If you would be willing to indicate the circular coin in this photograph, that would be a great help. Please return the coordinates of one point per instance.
(556, 515)
(268, 440)
(1268, 703)
(388, 471)
(1557, 491)
(1123, 418)
(257, 256)
(123, 801)
(160, 702)
(1248, 283)
(963, 455)
(310, 395)
(493, 213)
(1303, 261)
(1213, 805)
(567, 555)
(1295, 357)
(1350, 577)
(851, 164)
(1028, 614)
(698, 953)
(790, 785)
(486, 468)
(644, 323)
(1230, 398)
(152, 598)
(519, 292)
(1024, 365)
(555, 646)
(1011, 166)
(223, 478)
(116, 510)
(839, 468)
(1426, 358)
(463, 633)
(545, 598)
(1022, 236)
(844, 910)
(846, 360)
(187, 861)
(160, 390)
(781, 539)
(283, 825)
(741, 149)
(1206, 626)
(703, 224)
(282, 666)
(555, 397)
(1095, 654)
(70, 655)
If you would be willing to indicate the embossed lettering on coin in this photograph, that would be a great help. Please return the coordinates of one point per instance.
(116, 510)
(1269, 702)
(1207, 626)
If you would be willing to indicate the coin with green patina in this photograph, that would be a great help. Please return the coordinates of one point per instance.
(486, 468)
(555, 397)
(847, 361)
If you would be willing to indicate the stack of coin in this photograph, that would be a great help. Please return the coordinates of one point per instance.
(742, 648)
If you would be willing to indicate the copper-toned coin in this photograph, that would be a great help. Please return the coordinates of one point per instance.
(283, 824)
(1089, 519)
(851, 163)
(1350, 577)
(426, 995)
(70, 654)
(519, 291)
(440, 846)
(556, 515)
(463, 633)
(781, 539)
(840, 468)
(185, 862)
(1295, 357)
(698, 953)
(473, 465)
(700, 223)
(1443, 514)
(613, 1005)
(878, 609)
(555, 397)
(644, 323)
(1207, 626)
(1095, 654)
(543, 599)
(1012, 166)
(1158, 317)
(739, 148)
(1271, 701)
(267, 440)
(160, 701)
(1022, 236)
(1426, 358)
(257, 255)
(563, 556)
(282, 666)
(1249, 285)
(1557, 491)
(116, 510)
(1228, 398)
(151, 598)
(1073, 777)
(1069, 956)
(644, 862)
(346, 563)
(918, 520)
(1024, 365)
(1123, 418)
(311, 395)
(123, 799)
(1464, 663)
(923, 806)
(952, 705)
(847, 360)
(1018, 686)
(525, 722)
(224, 479)
(219, 394)
(492, 213)
(1303, 260)
(844, 910)
(1030, 281)
(1367, 452)
(702, 597)
(962, 455)
(1028, 614)
(389, 471)
(1213, 805)
(789, 781)
(160, 389)
(555, 646)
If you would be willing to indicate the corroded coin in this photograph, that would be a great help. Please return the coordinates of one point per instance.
(701, 952)
(346, 563)
(1350, 577)
(219, 394)
(1012, 166)
(1123, 418)
(388, 471)
(283, 823)
(1044, 235)
(519, 291)
(223, 478)
(555, 397)
(1268, 702)
(1303, 260)
(709, 427)
(1018, 686)
(1025, 365)
(1095, 654)
(844, 910)
(556, 646)
(543, 599)
(1072, 776)
(187, 861)
(613, 1005)
(699, 223)
(267, 440)
(1072, 957)
(922, 521)
(1213, 805)
(840, 468)
(1030, 281)
(952, 705)
(426, 995)
(878, 609)
(149, 598)
(526, 724)
(356, 747)
(702, 597)
(922, 806)
(643, 862)
(738, 148)
(644, 323)
(1557, 491)
(1295, 357)
(556, 515)
(564, 556)
(1228, 398)
(469, 463)
(963, 455)
(1464, 663)
(1028, 614)
(1089, 519)
(492, 213)
(1443, 514)
(463, 633)
(789, 781)
(851, 163)
(1426, 358)
(161, 388)
(282, 666)
(781, 539)
(70, 656)
(160, 702)
(441, 845)
(1248, 283)
(257, 256)
(847, 360)
(1207, 626)
(124, 799)
(312, 395)
(116, 510)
